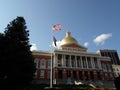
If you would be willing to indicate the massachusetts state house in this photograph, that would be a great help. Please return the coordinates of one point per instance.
(71, 62)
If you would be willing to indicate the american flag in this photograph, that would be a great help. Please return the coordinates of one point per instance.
(56, 27)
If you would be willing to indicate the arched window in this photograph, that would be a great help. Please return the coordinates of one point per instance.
(42, 64)
(36, 62)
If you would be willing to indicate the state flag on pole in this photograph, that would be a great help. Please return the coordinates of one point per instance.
(54, 40)
(56, 27)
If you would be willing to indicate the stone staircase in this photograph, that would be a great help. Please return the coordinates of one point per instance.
(69, 81)
(101, 83)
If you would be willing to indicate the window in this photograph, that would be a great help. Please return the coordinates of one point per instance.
(49, 63)
(96, 63)
(78, 61)
(84, 62)
(59, 60)
(67, 61)
(103, 66)
(108, 67)
(36, 62)
(89, 62)
(42, 65)
(111, 76)
(106, 76)
(42, 74)
(48, 74)
(73, 61)
(113, 69)
(117, 69)
(118, 73)
(35, 74)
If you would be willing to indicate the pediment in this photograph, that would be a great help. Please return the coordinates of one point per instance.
(74, 46)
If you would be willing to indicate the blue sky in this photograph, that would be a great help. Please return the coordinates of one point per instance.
(94, 23)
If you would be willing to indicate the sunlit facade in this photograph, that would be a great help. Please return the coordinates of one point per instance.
(71, 61)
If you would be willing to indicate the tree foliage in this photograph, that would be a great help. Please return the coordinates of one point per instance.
(16, 60)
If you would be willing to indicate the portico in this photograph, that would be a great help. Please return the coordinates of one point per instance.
(71, 61)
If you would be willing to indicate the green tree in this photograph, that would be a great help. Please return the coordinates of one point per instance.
(18, 60)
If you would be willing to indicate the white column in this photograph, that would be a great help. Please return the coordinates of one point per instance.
(76, 61)
(81, 61)
(70, 60)
(86, 61)
(99, 63)
(55, 60)
(62, 61)
(92, 61)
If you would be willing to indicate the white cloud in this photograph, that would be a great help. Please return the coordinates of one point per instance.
(33, 47)
(86, 44)
(100, 40)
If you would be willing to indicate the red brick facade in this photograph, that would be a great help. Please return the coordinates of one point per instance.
(72, 60)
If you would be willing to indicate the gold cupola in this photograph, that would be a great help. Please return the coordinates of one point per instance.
(69, 43)
(68, 40)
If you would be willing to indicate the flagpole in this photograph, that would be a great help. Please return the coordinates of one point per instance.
(51, 61)
(55, 27)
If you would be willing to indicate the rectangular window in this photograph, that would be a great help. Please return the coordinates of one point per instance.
(67, 63)
(59, 62)
(95, 62)
(84, 62)
(42, 74)
(49, 63)
(35, 74)
(111, 76)
(78, 61)
(89, 62)
(104, 67)
(48, 74)
(108, 67)
(106, 76)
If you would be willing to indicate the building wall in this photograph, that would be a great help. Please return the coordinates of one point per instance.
(112, 54)
(76, 66)
(83, 67)
(43, 63)
(114, 60)
(116, 70)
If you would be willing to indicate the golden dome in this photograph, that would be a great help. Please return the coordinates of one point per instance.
(68, 40)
